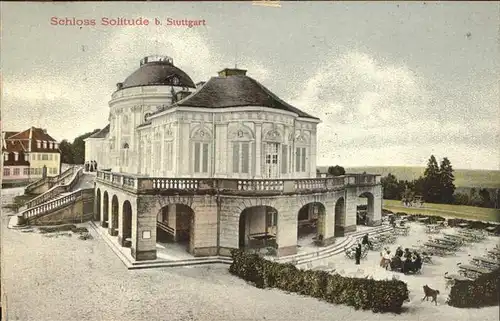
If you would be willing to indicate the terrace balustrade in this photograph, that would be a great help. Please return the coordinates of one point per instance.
(145, 185)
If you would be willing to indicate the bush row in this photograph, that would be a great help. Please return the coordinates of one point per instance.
(452, 222)
(481, 292)
(360, 293)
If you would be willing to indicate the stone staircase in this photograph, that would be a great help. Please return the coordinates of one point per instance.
(73, 186)
(351, 239)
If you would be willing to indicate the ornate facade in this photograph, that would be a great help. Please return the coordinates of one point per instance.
(233, 150)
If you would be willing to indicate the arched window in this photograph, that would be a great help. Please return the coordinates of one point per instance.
(301, 153)
(273, 140)
(201, 140)
(241, 138)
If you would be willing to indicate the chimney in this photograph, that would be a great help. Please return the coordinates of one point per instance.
(45, 130)
(232, 72)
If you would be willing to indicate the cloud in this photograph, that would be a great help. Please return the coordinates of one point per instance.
(379, 113)
(81, 90)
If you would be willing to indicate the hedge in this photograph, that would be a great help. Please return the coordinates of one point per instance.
(360, 293)
(481, 292)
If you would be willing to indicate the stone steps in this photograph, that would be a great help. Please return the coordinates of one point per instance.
(133, 265)
(336, 248)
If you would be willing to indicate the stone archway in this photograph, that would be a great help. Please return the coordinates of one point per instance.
(311, 224)
(113, 227)
(175, 224)
(258, 227)
(125, 235)
(365, 210)
(97, 205)
(340, 218)
(105, 210)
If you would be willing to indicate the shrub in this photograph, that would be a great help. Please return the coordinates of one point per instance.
(481, 292)
(360, 293)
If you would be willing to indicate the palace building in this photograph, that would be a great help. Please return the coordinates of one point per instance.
(216, 165)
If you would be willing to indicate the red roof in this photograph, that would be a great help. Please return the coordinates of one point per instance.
(22, 140)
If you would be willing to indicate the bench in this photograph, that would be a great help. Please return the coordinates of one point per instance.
(471, 271)
(485, 262)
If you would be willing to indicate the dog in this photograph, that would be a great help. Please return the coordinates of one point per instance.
(430, 293)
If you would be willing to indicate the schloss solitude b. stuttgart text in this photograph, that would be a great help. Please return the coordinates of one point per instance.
(126, 22)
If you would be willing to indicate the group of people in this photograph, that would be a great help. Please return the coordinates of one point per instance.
(91, 166)
(412, 261)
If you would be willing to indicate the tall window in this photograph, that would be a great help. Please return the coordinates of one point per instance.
(44, 144)
(201, 157)
(201, 142)
(241, 157)
(272, 218)
(51, 157)
(17, 171)
(16, 156)
(26, 171)
(271, 160)
(39, 156)
(300, 159)
(45, 157)
(6, 172)
(6, 156)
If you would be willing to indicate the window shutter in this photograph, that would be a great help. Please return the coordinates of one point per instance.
(196, 157)
(245, 161)
(236, 157)
(284, 159)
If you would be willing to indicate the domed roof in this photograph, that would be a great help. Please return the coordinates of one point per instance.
(157, 71)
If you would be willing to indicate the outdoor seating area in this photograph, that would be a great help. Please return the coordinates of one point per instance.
(422, 257)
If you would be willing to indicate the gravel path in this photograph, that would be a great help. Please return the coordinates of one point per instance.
(65, 278)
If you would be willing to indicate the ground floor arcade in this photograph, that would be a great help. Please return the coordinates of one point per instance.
(207, 225)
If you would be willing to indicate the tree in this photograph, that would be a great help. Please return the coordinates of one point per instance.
(432, 190)
(485, 197)
(474, 198)
(446, 178)
(78, 147)
(461, 199)
(390, 187)
(336, 170)
(66, 152)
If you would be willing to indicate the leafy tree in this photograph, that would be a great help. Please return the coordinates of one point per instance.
(447, 187)
(390, 187)
(485, 197)
(461, 199)
(474, 198)
(66, 152)
(78, 147)
(336, 170)
(432, 190)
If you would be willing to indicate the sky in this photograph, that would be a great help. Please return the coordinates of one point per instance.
(392, 82)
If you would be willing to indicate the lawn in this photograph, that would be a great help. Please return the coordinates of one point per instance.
(458, 211)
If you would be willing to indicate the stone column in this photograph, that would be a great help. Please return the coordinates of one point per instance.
(113, 227)
(375, 206)
(144, 230)
(287, 231)
(328, 221)
(103, 207)
(351, 204)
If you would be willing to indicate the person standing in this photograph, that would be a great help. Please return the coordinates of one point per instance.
(95, 165)
(87, 165)
(358, 254)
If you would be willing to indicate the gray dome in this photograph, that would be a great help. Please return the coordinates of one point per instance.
(157, 71)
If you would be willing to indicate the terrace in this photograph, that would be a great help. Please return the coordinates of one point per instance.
(145, 185)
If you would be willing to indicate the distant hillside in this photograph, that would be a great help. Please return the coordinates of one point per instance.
(463, 177)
